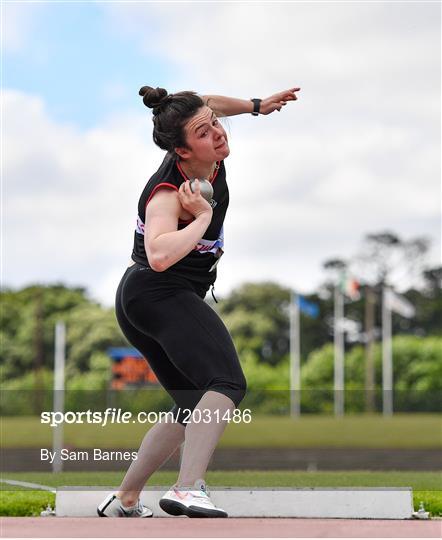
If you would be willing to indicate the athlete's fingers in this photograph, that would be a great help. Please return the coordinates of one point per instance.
(287, 94)
(196, 187)
(186, 189)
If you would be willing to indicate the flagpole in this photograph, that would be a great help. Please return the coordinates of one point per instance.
(339, 353)
(295, 357)
(387, 360)
(59, 363)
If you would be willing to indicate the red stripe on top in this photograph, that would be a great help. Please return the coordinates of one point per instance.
(211, 180)
(183, 174)
(164, 184)
(216, 172)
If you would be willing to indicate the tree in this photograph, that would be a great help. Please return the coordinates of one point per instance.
(417, 376)
(90, 329)
(386, 259)
(432, 281)
(336, 265)
(28, 318)
(257, 317)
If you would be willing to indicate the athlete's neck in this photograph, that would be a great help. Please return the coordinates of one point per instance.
(198, 170)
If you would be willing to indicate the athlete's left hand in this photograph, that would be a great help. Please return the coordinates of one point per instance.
(277, 101)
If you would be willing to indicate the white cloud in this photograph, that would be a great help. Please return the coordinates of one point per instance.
(70, 199)
(341, 48)
(359, 152)
(290, 212)
(69, 196)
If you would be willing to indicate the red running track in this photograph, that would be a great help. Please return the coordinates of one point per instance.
(217, 528)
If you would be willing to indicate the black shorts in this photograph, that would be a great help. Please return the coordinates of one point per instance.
(185, 342)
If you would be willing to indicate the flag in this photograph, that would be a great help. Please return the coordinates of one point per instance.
(399, 304)
(350, 287)
(351, 328)
(309, 308)
(348, 325)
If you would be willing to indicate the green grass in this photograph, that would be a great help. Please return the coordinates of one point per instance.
(427, 486)
(314, 431)
(24, 503)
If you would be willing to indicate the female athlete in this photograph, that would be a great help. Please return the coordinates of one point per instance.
(160, 303)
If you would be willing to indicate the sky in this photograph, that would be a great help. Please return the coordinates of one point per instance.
(358, 153)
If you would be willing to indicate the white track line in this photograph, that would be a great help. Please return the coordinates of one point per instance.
(28, 485)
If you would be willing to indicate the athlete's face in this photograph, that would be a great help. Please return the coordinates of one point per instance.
(206, 138)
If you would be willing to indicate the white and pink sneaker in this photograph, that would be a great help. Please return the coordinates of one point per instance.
(193, 502)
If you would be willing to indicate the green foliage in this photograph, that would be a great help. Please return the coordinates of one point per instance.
(263, 376)
(90, 329)
(28, 319)
(417, 375)
(32, 392)
(30, 381)
(256, 315)
(25, 503)
(428, 305)
(267, 386)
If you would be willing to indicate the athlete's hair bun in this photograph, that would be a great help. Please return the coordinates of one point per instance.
(170, 114)
(154, 98)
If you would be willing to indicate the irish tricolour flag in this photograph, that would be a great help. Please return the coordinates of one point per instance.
(350, 287)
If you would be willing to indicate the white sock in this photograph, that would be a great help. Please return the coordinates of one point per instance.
(128, 508)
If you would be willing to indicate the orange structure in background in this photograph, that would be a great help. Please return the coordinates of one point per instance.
(130, 368)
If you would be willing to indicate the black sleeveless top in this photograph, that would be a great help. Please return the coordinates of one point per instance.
(200, 264)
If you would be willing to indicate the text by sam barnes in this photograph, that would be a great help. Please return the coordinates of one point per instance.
(95, 454)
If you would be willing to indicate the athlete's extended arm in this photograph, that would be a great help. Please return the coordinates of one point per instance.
(228, 106)
(164, 244)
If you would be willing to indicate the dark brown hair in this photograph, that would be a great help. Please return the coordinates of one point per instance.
(170, 114)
